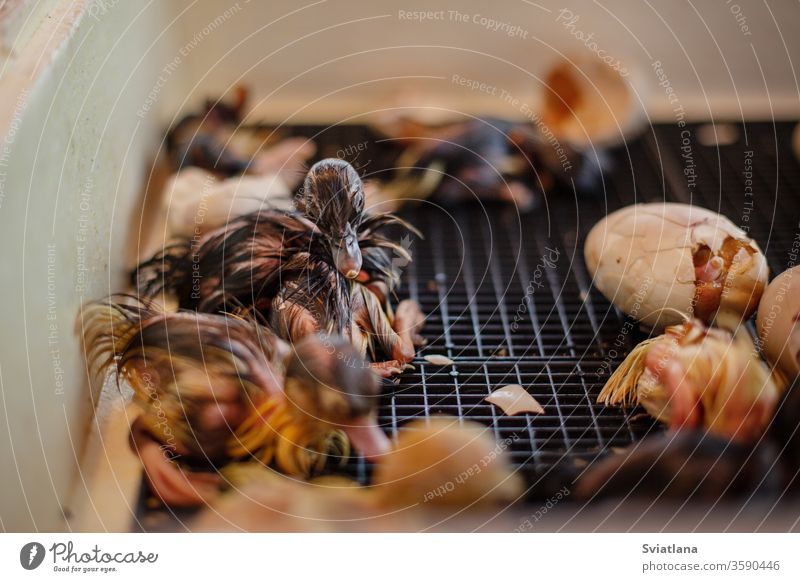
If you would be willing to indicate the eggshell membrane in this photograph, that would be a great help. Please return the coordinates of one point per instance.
(777, 322)
(641, 259)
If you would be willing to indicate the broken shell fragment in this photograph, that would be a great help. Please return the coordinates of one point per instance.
(513, 399)
(694, 376)
(439, 360)
(778, 322)
(663, 262)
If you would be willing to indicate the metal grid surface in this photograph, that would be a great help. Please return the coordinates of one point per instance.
(506, 317)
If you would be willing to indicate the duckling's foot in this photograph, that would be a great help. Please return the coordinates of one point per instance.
(409, 321)
(168, 482)
(387, 369)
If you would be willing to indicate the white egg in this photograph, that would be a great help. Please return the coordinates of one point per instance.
(778, 322)
(660, 262)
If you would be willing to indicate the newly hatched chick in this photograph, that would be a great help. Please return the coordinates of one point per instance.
(211, 389)
(484, 159)
(333, 199)
(331, 227)
(695, 376)
(300, 271)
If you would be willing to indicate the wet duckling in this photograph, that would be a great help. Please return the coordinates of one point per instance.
(272, 265)
(484, 159)
(214, 140)
(299, 271)
(331, 227)
(214, 389)
(333, 198)
(203, 139)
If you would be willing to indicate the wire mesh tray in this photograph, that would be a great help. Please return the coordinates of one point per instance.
(509, 301)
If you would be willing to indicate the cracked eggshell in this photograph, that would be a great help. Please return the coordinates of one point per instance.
(778, 322)
(641, 259)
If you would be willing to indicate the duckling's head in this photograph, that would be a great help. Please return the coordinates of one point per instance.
(198, 376)
(333, 198)
(330, 383)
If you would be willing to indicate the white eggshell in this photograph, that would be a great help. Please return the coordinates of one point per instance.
(641, 259)
(513, 399)
(778, 321)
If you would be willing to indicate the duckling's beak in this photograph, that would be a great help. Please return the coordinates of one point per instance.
(367, 438)
(347, 257)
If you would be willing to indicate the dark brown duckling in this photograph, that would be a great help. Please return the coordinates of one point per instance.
(269, 264)
(214, 389)
(486, 159)
(298, 274)
(332, 198)
(331, 227)
(203, 139)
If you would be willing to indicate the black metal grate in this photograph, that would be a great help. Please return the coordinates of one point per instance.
(559, 338)
(505, 316)
(508, 299)
(772, 214)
